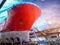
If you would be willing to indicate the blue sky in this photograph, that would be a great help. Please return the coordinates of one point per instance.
(49, 17)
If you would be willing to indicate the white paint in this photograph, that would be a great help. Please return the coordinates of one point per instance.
(23, 35)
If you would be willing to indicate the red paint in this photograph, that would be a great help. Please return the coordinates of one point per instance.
(21, 17)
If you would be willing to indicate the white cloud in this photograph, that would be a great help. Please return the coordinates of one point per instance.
(52, 14)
